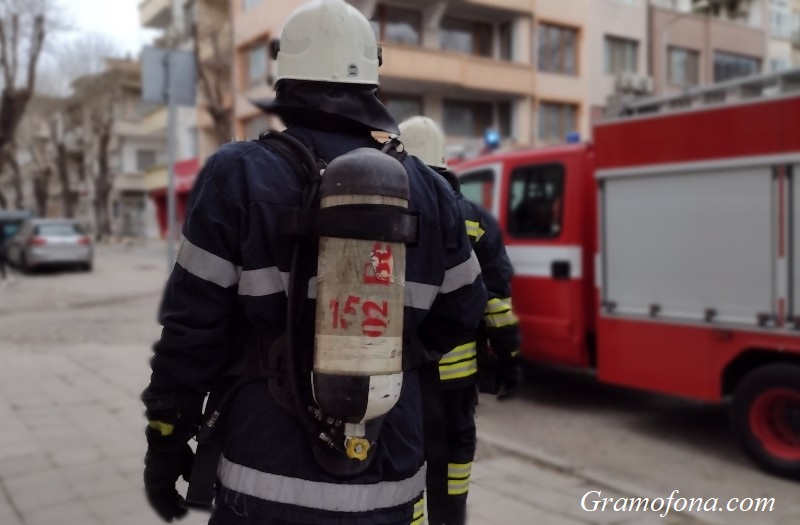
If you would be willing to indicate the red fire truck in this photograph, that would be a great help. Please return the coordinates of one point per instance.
(666, 255)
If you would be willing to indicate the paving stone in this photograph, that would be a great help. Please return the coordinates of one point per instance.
(39, 490)
(75, 512)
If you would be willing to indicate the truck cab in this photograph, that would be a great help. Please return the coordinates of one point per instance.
(543, 202)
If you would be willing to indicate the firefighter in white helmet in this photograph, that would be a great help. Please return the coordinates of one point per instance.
(240, 314)
(449, 466)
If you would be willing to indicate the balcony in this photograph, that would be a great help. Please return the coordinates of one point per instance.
(464, 71)
(155, 179)
(519, 6)
(155, 14)
(155, 121)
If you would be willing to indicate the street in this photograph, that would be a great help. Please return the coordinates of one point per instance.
(73, 360)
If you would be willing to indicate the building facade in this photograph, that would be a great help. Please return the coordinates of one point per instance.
(710, 42)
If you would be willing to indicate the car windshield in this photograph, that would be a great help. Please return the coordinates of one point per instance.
(58, 230)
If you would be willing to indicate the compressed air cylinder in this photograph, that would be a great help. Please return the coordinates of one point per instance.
(358, 348)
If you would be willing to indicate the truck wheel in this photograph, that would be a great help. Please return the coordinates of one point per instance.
(766, 418)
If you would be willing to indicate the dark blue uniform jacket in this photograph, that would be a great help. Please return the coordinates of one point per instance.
(228, 288)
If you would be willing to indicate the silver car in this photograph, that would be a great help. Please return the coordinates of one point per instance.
(50, 242)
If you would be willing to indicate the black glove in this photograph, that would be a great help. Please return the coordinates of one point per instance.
(509, 377)
(163, 465)
(173, 422)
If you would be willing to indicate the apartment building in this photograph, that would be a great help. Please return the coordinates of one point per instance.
(701, 42)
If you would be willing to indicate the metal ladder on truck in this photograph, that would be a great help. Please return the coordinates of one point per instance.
(769, 85)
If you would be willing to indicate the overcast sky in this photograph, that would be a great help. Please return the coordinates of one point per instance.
(117, 19)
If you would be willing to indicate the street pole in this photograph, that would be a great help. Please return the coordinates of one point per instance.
(171, 108)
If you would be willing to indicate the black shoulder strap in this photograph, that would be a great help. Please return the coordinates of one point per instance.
(301, 158)
(396, 149)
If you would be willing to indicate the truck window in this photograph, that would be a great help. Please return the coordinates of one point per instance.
(535, 203)
(479, 188)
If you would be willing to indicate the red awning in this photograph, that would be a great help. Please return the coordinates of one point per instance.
(185, 174)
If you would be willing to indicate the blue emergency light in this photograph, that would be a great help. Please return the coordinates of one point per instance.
(492, 139)
(573, 137)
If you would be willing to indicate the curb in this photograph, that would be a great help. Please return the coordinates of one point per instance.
(561, 465)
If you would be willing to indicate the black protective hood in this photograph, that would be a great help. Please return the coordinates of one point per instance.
(328, 106)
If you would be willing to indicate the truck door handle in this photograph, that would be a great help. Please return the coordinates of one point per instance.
(560, 270)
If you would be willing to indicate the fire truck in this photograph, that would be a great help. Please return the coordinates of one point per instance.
(666, 255)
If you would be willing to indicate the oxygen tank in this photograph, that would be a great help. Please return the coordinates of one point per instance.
(358, 346)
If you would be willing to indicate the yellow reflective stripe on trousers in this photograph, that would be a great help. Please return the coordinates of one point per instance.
(458, 475)
(459, 353)
(334, 497)
(458, 370)
(165, 429)
(501, 320)
(459, 363)
(419, 512)
(474, 230)
(496, 306)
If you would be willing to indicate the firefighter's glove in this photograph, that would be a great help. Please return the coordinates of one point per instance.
(164, 463)
(509, 377)
(172, 421)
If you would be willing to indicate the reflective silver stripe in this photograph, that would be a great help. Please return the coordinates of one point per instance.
(264, 281)
(206, 265)
(461, 275)
(317, 495)
(420, 295)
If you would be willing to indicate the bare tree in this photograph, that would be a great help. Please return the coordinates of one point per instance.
(213, 46)
(22, 34)
(98, 95)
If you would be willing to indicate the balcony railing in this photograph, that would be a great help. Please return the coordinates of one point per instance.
(525, 6)
(466, 71)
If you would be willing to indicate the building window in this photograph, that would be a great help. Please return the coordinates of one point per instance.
(728, 66)
(402, 107)
(556, 121)
(247, 4)
(536, 201)
(506, 33)
(621, 55)
(257, 65)
(505, 119)
(145, 159)
(254, 126)
(479, 188)
(398, 25)
(464, 36)
(781, 19)
(684, 67)
(558, 49)
(466, 119)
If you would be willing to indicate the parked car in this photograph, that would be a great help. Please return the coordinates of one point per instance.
(50, 242)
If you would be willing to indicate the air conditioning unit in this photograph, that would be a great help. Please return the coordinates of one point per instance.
(634, 83)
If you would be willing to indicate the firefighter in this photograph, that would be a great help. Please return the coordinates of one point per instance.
(449, 466)
(244, 286)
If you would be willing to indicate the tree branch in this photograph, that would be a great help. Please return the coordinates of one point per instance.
(37, 43)
(4, 55)
(14, 63)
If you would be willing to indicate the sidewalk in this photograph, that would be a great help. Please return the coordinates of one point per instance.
(71, 453)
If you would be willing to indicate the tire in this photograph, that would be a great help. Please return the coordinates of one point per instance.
(766, 418)
(86, 267)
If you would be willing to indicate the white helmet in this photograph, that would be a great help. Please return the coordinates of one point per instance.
(423, 138)
(328, 41)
